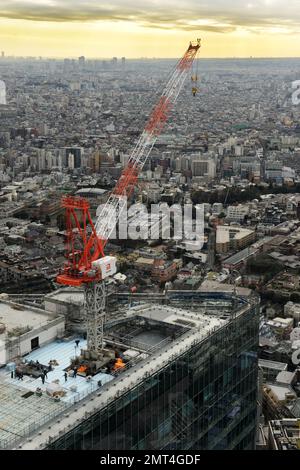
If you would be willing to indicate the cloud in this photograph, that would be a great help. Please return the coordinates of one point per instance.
(214, 16)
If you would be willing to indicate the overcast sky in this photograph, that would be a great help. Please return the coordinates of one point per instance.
(132, 28)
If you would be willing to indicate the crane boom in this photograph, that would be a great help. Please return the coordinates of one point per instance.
(80, 261)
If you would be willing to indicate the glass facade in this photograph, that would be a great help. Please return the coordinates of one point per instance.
(203, 399)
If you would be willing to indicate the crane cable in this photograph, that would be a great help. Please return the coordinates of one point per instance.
(195, 75)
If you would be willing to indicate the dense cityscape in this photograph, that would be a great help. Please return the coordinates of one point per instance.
(200, 340)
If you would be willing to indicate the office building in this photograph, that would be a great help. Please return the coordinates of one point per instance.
(233, 238)
(237, 213)
(204, 167)
(73, 157)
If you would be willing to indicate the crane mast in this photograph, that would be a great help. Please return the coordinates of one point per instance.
(86, 263)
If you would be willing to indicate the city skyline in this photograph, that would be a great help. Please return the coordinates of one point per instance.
(261, 28)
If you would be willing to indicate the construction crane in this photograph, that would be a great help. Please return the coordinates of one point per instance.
(86, 264)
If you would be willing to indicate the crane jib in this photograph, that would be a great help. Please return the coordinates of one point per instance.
(78, 269)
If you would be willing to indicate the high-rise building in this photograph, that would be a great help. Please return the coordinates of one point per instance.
(95, 161)
(72, 157)
(2, 92)
(190, 382)
(203, 167)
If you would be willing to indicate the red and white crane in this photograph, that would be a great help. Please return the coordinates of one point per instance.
(86, 263)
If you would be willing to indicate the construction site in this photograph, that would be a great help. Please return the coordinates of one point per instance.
(50, 390)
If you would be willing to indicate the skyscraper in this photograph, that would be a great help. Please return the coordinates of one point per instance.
(73, 157)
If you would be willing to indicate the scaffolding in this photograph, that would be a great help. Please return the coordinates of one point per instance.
(22, 412)
(94, 306)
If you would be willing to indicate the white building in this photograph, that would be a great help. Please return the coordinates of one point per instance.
(237, 213)
(23, 329)
(2, 92)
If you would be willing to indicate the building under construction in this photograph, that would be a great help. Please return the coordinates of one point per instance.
(170, 378)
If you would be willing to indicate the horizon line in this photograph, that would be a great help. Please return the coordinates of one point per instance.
(141, 57)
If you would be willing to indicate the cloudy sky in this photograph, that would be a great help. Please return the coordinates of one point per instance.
(149, 28)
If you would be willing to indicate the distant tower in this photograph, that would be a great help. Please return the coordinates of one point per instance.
(2, 54)
(123, 60)
(2, 92)
(81, 61)
(96, 161)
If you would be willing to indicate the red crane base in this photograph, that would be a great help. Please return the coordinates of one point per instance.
(83, 245)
